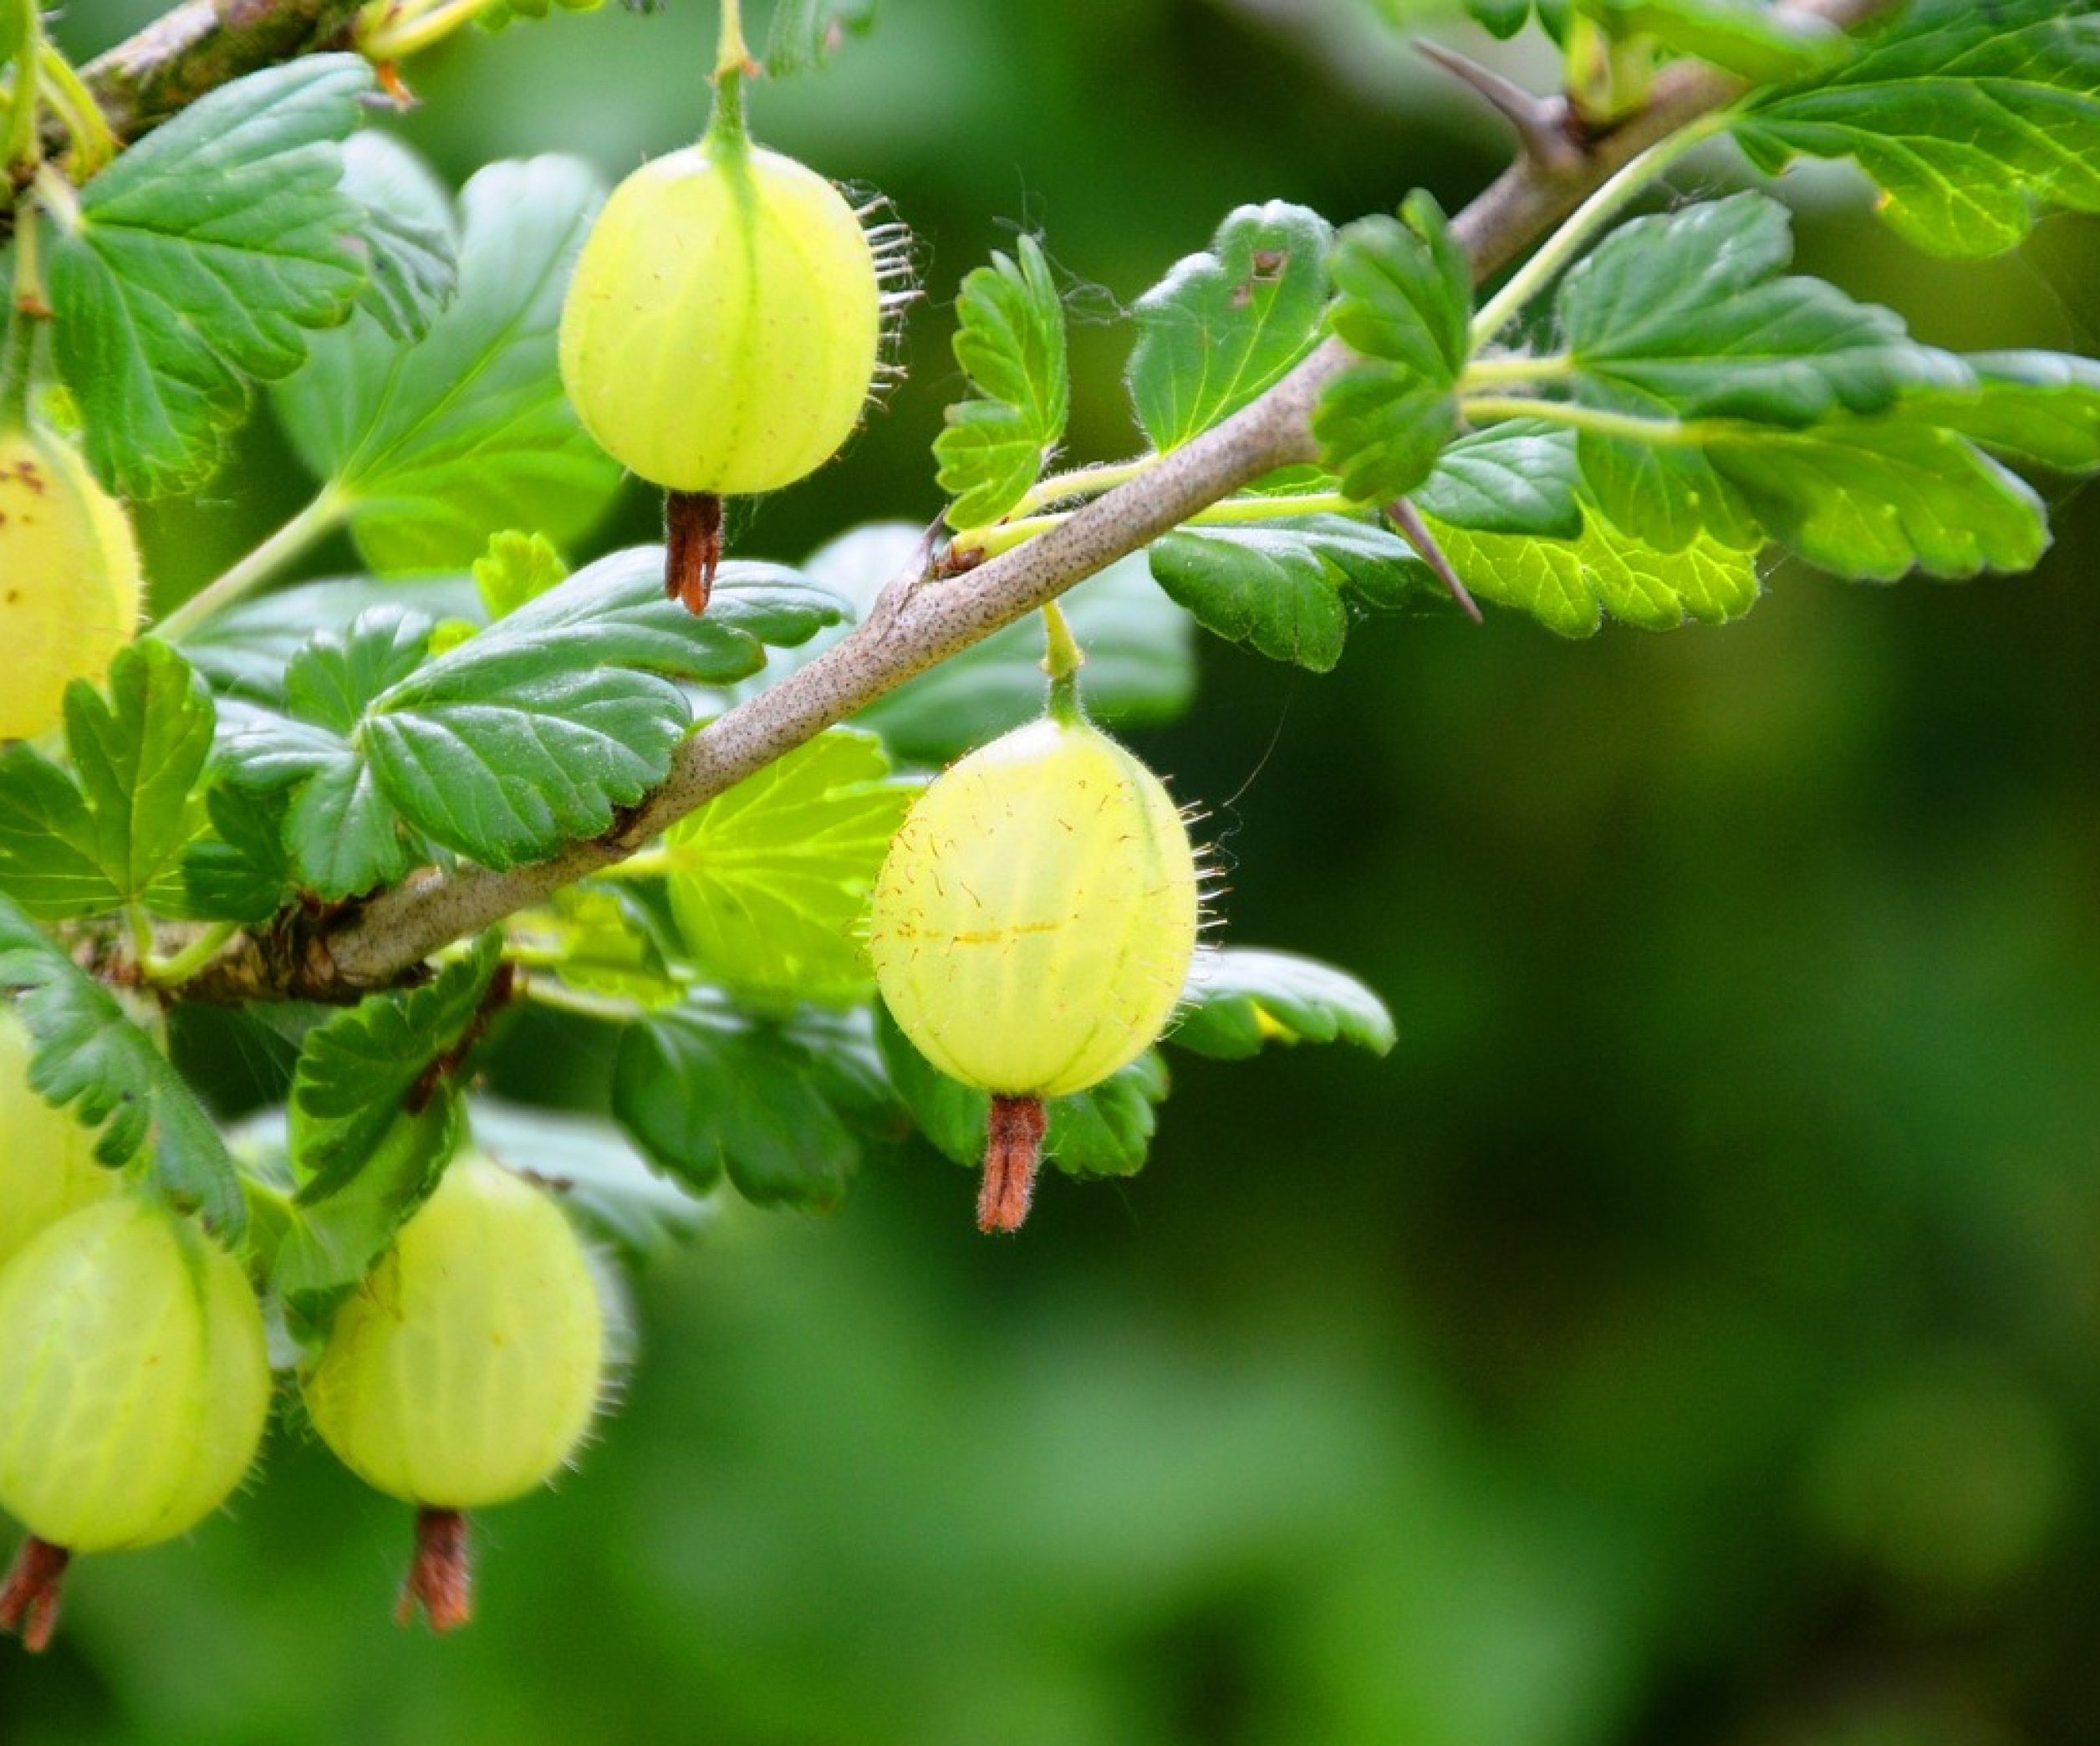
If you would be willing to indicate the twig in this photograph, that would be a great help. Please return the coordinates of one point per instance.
(338, 955)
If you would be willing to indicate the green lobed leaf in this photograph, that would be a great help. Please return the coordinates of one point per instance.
(1239, 999)
(525, 737)
(241, 871)
(1688, 311)
(1972, 119)
(1405, 300)
(245, 650)
(1010, 344)
(2038, 407)
(112, 832)
(1664, 494)
(364, 1068)
(1876, 498)
(600, 935)
(201, 259)
(805, 32)
(434, 446)
(1504, 18)
(90, 1056)
(1516, 477)
(769, 882)
(1284, 587)
(411, 254)
(705, 1090)
(334, 1237)
(1103, 1132)
(1569, 585)
(1226, 325)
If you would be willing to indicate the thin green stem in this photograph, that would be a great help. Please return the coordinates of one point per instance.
(402, 30)
(24, 145)
(1083, 482)
(1515, 372)
(1062, 661)
(649, 864)
(1560, 249)
(613, 1009)
(319, 518)
(1278, 507)
(726, 128)
(177, 968)
(1656, 432)
(93, 140)
(25, 302)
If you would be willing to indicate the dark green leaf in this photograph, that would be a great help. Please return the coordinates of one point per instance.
(2038, 407)
(705, 1090)
(1747, 38)
(1502, 19)
(201, 258)
(1688, 311)
(89, 1056)
(335, 1236)
(1105, 1131)
(1518, 477)
(111, 834)
(364, 1068)
(1240, 999)
(769, 881)
(1876, 498)
(1664, 494)
(1280, 585)
(244, 651)
(600, 936)
(241, 872)
(434, 446)
(1010, 344)
(805, 32)
(1569, 585)
(1971, 118)
(410, 250)
(1225, 325)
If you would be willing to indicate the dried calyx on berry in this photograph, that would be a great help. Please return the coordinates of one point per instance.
(725, 327)
(1034, 921)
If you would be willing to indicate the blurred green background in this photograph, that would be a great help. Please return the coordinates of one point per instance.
(1690, 1333)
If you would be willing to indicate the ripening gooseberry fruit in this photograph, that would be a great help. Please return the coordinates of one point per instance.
(69, 578)
(133, 1387)
(1032, 926)
(465, 1370)
(46, 1159)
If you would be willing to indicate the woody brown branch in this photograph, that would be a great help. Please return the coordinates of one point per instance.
(920, 622)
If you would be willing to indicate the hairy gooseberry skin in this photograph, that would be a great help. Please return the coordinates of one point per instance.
(721, 329)
(465, 1370)
(1032, 925)
(134, 1380)
(69, 578)
(46, 1159)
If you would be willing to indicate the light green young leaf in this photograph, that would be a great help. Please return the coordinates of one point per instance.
(434, 446)
(1284, 587)
(1876, 498)
(516, 567)
(1688, 311)
(1569, 585)
(1105, 1131)
(90, 1056)
(705, 1090)
(1010, 344)
(1240, 999)
(411, 254)
(805, 32)
(364, 1068)
(1404, 299)
(769, 882)
(1972, 119)
(201, 259)
(1748, 37)
(1226, 325)
(112, 832)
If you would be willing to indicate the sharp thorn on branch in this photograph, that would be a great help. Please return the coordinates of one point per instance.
(1407, 522)
(1541, 122)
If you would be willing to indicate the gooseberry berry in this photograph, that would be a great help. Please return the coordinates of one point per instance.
(46, 1159)
(465, 1370)
(134, 1386)
(1032, 926)
(68, 578)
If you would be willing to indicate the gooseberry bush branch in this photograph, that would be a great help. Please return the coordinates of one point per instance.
(374, 814)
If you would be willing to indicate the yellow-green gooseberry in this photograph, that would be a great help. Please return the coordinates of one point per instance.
(69, 578)
(1032, 926)
(133, 1387)
(465, 1370)
(47, 1158)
